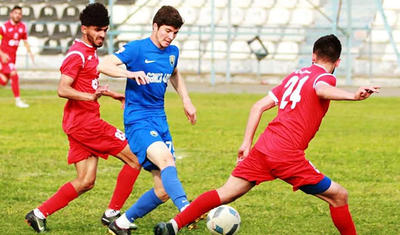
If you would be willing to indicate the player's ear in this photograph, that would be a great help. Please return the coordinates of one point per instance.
(155, 27)
(337, 62)
(83, 29)
(314, 57)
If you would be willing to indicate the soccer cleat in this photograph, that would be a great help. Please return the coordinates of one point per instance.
(21, 104)
(115, 230)
(106, 221)
(193, 225)
(163, 228)
(39, 225)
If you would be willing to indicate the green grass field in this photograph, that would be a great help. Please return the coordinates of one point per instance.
(357, 146)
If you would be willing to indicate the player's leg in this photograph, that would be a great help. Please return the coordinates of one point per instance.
(337, 197)
(86, 175)
(161, 156)
(3, 79)
(234, 188)
(144, 205)
(15, 89)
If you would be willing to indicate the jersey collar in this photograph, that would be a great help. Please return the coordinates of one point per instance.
(322, 67)
(78, 40)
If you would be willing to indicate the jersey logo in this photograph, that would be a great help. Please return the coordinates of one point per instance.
(95, 83)
(146, 61)
(172, 60)
(154, 133)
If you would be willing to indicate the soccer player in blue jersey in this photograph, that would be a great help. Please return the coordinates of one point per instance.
(150, 64)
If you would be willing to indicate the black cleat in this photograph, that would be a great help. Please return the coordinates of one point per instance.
(163, 228)
(106, 221)
(39, 225)
(115, 230)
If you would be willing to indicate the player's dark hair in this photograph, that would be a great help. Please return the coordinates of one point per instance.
(328, 48)
(168, 15)
(16, 7)
(94, 14)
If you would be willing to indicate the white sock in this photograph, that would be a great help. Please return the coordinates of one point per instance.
(123, 222)
(18, 99)
(174, 225)
(183, 208)
(38, 213)
(111, 212)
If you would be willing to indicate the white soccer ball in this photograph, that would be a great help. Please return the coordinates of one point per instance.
(223, 220)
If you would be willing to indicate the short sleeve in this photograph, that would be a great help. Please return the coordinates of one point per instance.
(128, 52)
(326, 78)
(72, 64)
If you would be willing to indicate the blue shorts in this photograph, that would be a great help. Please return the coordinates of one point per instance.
(141, 134)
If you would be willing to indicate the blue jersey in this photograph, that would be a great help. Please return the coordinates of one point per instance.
(144, 101)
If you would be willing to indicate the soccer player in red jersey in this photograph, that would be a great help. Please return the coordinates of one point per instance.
(11, 33)
(89, 136)
(303, 99)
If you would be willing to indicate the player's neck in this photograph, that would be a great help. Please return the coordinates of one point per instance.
(329, 67)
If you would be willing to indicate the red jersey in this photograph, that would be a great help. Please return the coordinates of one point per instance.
(80, 63)
(11, 35)
(300, 112)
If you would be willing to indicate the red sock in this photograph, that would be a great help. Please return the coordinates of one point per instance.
(199, 206)
(59, 200)
(125, 181)
(341, 217)
(15, 85)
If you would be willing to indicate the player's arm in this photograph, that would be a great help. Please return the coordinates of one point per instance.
(110, 66)
(28, 49)
(326, 91)
(4, 56)
(256, 112)
(180, 87)
(65, 90)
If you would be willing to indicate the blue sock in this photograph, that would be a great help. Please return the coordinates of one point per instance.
(146, 203)
(173, 187)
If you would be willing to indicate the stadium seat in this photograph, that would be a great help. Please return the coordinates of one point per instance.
(32, 1)
(130, 32)
(255, 16)
(389, 54)
(62, 30)
(287, 51)
(196, 4)
(205, 16)
(39, 30)
(237, 15)
(219, 50)
(302, 17)
(391, 17)
(143, 16)
(125, 2)
(48, 13)
(240, 50)
(4, 13)
(174, 3)
(120, 13)
(294, 34)
(379, 36)
(278, 16)
(241, 3)
(190, 49)
(51, 47)
(28, 13)
(189, 14)
(263, 3)
(391, 4)
(286, 4)
(70, 14)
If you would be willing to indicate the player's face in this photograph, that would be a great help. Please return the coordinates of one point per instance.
(16, 15)
(164, 35)
(95, 35)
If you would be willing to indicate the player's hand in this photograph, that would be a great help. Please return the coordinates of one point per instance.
(4, 58)
(243, 152)
(190, 111)
(139, 76)
(365, 92)
(100, 91)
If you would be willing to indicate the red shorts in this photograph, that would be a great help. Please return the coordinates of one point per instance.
(257, 168)
(7, 68)
(98, 139)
